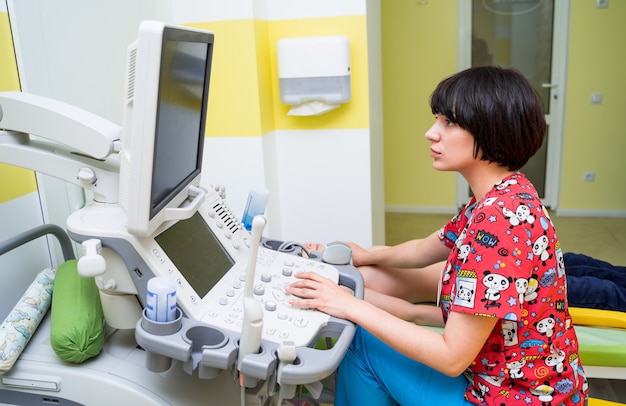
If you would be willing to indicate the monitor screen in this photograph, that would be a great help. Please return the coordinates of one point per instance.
(179, 134)
(195, 251)
(168, 76)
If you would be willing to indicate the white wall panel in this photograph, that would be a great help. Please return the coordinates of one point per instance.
(188, 11)
(325, 192)
(318, 191)
(75, 52)
(236, 163)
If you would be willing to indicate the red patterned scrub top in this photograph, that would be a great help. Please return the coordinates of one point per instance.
(506, 262)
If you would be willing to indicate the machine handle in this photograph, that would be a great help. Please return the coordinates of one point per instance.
(313, 365)
(350, 277)
(197, 195)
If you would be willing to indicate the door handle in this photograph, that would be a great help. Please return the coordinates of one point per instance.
(549, 85)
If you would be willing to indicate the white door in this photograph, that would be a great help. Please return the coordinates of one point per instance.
(530, 36)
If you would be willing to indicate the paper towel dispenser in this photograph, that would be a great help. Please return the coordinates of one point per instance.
(314, 73)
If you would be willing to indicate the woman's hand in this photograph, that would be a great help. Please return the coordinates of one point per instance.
(318, 292)
(359, 254)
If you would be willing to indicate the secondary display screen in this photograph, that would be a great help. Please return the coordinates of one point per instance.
(194, 249)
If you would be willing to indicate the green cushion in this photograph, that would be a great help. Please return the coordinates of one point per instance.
(77, 320)
(602, 346)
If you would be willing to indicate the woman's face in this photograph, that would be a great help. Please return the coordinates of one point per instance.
(451, 147)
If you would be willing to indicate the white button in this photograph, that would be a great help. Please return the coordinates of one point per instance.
(300, 322)
(278, 295)
(87, 175)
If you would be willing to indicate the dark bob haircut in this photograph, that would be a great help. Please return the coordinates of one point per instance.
(501, 110)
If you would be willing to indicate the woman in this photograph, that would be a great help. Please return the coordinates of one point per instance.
(508, 337)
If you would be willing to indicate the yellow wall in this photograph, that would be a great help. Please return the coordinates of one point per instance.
(14, 182)
(234, 103)
(594, 134)
(8, 68)
(419, 49)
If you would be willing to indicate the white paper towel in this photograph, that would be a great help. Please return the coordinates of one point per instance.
(312, 108)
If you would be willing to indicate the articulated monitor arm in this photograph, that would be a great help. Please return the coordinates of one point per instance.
(81, 130)
(80, 147)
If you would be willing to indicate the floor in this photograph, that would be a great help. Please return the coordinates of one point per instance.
(603, 238)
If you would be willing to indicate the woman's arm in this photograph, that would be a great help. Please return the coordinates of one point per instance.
(423, 314)
(395, 271)
(450, 353)
(410, 254)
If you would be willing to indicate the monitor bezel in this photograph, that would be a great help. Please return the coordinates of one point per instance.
(137, 163)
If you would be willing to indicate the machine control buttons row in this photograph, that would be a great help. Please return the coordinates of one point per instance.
(274, 271)
(226, 221)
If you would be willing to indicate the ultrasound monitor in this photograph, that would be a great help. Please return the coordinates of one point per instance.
(168, 74)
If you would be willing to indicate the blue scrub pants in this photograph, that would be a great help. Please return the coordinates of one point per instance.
(372, 373)
(594, 284)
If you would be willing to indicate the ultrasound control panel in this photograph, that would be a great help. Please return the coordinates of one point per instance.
(208, 256)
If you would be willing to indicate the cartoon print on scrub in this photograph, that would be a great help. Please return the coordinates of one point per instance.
(447, 273)
(521, 215)
(556, 360)
(540, 248)
(495, 283)
(521, 286)
(507, 272)
(532, 290)
(509, 332)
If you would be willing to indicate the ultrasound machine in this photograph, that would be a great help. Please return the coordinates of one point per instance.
(233, 337)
